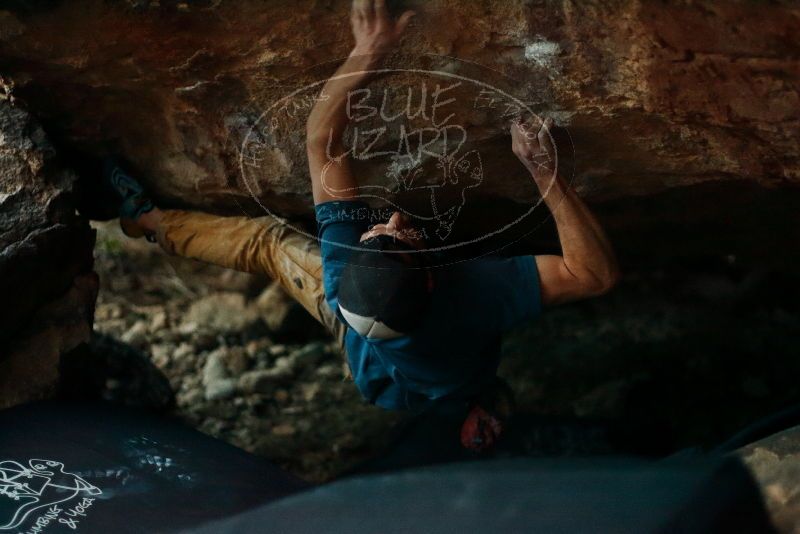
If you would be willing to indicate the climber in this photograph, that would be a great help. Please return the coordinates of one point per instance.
(415, 335)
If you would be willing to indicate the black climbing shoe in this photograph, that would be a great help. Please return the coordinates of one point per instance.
(133, 200)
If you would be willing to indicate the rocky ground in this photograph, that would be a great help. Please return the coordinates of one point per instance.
(245, 363)
(676, 358)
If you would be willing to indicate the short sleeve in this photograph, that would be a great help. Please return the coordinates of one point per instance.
(525, 302)
(340, 224)
(508, 291)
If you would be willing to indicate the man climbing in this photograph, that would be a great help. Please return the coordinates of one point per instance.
(415, 335)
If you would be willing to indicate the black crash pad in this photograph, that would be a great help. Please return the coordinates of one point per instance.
(103, 469)
(524, 495)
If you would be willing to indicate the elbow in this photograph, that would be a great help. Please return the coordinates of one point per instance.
(603, 282)
(596, 282)
(610, 282)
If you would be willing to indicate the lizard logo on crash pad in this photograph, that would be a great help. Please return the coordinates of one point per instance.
(41, 493)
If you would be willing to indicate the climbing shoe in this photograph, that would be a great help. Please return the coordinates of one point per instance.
(131, 196)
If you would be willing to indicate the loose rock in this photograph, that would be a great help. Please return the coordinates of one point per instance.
(158, 321)
(219, 312)
(308, 355)
(283, 430)
(264, 380)
(161, 354)
(237, 360)
(217, 383)
(136, 334)
(220, 389)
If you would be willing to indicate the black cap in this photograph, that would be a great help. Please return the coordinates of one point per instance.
(383, 287)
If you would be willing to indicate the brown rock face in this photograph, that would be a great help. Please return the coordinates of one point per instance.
(46, 277)
(683, 118)
(30, 367)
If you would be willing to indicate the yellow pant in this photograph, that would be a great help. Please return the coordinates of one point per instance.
(261, 245)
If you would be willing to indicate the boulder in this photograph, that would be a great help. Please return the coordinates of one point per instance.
(683, 117)
(775, 464)
(46, 279)
(31, 361)
(107, 369)
(38, 225)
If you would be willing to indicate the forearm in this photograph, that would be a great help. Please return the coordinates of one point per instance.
(331, 176)
(376, 34)
(587, 266)
(329, 117)
(586, 250)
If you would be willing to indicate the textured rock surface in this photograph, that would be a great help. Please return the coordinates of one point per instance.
(46, 280)
(30, 363)
(775, 464)
(681, 115)
(43, 245)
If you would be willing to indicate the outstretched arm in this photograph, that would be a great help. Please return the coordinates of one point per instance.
(587, 266)
(376, 34)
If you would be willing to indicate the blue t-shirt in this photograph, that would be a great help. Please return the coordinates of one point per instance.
(455, 352)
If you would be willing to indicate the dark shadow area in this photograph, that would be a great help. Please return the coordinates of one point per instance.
(108, 370)
(674, 358)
